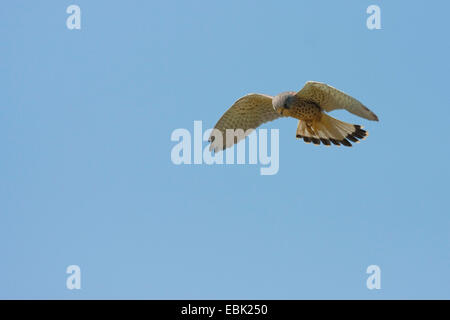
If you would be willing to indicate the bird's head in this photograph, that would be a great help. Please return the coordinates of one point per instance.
(282, 102)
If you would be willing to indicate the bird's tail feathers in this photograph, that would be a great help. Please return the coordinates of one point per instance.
(328, 130)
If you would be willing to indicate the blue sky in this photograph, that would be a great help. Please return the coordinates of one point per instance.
(86, 176)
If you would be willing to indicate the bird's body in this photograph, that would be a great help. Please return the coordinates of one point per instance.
(307, 105)
(301, 109)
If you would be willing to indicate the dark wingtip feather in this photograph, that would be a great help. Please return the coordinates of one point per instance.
(345, 142)
(352, 138)
(359, 133)
(336, 143)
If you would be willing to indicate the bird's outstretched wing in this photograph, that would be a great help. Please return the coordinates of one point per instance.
(247, 113)
(329, 98)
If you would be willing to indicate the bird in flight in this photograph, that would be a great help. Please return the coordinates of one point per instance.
(307, 105)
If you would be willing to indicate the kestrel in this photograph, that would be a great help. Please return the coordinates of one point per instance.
(307, 105)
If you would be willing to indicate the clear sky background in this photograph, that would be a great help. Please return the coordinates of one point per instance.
(86, 176)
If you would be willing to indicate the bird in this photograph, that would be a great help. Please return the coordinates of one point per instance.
(310, 106)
